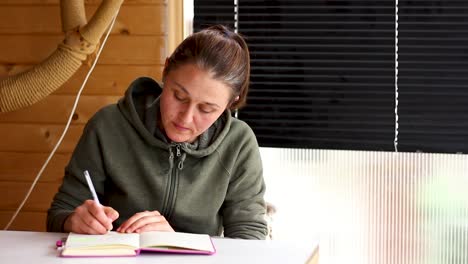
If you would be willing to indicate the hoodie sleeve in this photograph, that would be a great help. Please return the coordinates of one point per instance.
(74, 189)
(244, 207)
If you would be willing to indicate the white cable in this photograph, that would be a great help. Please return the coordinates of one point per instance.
(395, 141)
(65, 129)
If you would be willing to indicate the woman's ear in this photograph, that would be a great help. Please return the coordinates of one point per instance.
(233, 103)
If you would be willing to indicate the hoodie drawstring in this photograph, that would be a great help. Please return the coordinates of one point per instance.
(181, 162)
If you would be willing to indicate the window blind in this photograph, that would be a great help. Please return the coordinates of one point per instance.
(433, 77)
(323, 72)
(211, 12)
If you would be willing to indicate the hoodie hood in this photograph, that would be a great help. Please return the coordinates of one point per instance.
(140, 106)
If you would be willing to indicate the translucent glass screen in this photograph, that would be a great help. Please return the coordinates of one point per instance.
(371, 207)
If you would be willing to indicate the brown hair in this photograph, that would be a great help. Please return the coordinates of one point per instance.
(220, 51)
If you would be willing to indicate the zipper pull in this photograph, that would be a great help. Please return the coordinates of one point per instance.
(178, 150)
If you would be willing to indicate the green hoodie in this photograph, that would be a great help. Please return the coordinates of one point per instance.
(213, 186)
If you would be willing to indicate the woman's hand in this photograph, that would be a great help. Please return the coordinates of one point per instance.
(145, 221)
(91, 218)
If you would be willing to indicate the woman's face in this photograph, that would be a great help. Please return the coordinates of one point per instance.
(191, 102)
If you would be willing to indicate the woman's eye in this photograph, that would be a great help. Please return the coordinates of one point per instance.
(206, 110)
(178, 96)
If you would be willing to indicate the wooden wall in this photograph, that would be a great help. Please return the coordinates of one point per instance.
(29, 31)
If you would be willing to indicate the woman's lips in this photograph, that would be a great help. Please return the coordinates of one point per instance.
(181, 128)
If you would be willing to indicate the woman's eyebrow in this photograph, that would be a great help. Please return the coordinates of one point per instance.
(187, 92)
(181, 87)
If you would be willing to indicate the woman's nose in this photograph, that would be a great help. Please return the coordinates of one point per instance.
(187, 114)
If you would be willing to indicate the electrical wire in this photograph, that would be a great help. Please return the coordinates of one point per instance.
(36, 179)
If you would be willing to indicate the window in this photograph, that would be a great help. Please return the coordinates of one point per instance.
(324, 72)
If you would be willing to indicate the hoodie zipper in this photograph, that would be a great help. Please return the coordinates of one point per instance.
(173, 180)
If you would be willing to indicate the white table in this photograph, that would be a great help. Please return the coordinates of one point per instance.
(39, 248)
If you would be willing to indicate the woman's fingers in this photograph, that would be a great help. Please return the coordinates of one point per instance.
(111, 213)
(78, 222)
(156, 226)
(125, 225)
(97, 212)
(90, 218)
(145, 221)
(148, 220)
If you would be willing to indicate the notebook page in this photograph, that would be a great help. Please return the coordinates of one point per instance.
(176, 239)
(111, 238)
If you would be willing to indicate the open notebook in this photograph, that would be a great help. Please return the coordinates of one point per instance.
(122, 244)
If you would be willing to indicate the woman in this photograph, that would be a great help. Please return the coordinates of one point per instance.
(174, 162)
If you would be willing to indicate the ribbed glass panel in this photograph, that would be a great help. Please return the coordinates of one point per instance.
(371, 207)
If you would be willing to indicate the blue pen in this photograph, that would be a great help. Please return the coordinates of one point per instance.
(91, 187)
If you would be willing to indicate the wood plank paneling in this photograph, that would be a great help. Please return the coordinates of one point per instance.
(92, 2)
(23, 167)
(104, 80)
(14, 193)
(34, 19)
(134, 50)
(40, 19)
(31, 49)
(25, 221)
(57, 108)
(27, 49)
(37, 138)
(110, 79)
(30, 30)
